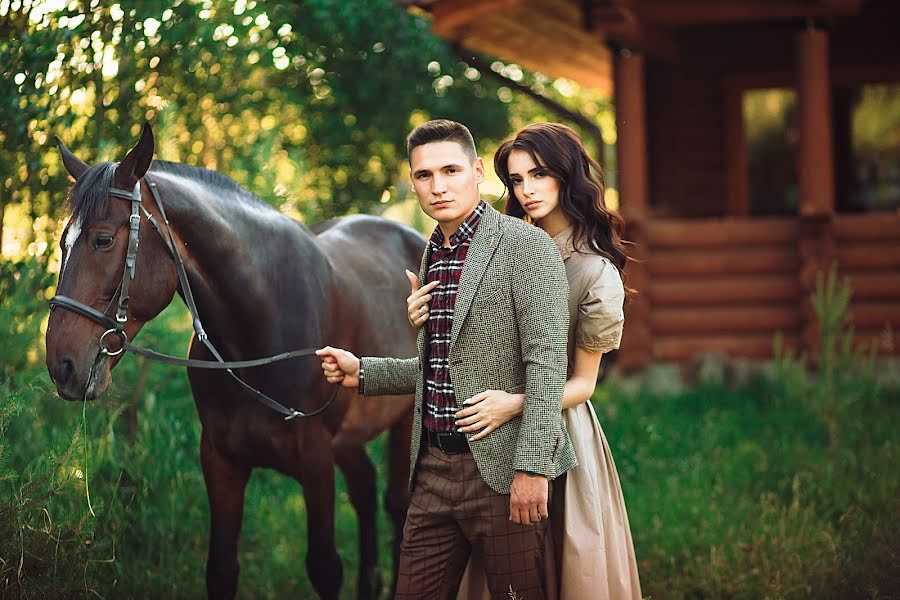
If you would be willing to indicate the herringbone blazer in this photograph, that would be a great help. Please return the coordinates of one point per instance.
(509, 333)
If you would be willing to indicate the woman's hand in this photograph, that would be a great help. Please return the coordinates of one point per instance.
(487, 411)
(417, 302)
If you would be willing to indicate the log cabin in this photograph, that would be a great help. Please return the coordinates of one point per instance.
(739, 160)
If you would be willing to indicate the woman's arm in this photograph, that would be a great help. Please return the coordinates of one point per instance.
(492, 408)
(581, 385)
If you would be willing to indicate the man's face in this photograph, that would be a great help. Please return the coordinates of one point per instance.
(446, 182)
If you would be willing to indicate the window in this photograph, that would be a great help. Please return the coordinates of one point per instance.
(771, 134)
(869, 179)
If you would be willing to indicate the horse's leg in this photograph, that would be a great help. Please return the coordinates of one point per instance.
(359, 474)
(316, 475)
(225, 485)
(396, 496)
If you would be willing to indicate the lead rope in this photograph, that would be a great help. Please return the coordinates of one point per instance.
(289, 413)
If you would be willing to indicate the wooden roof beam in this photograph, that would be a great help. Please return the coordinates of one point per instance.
(667, 13)
(620, 25)
(448, 17)
(632, 34)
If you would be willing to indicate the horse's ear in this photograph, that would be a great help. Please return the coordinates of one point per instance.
(137, 162)
(74, 165)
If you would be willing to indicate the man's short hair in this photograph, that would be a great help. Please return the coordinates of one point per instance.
(441, 130)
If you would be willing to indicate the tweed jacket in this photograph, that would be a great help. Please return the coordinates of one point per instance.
(510, 324)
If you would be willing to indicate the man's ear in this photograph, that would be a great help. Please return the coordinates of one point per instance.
(74, 165)
(478, 167)
(137, 162)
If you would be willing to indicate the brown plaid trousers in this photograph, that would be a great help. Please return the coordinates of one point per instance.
(452, 512)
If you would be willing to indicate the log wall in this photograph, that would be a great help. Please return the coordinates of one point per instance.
(729, 285)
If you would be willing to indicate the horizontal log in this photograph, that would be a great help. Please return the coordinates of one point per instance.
(874, 315)
(869, 257)
(875, 285)
(867, 227)
(724, 320)
(754, 261)
(697, 291)
(710, 233)
(680, 348)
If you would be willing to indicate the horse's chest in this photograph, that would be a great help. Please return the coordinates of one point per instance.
(257, 444)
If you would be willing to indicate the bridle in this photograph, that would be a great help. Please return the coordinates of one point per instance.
(116, 326)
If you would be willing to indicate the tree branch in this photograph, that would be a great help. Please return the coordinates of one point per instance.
(579, 119)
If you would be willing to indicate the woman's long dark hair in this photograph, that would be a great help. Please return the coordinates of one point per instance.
(560, 151)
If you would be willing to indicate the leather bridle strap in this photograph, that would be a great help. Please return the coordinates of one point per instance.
(117, 326)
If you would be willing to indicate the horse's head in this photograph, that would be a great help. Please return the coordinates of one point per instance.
(94, 248)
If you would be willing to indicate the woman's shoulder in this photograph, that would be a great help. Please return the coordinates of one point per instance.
(598, 272)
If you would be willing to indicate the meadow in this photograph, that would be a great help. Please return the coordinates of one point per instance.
(784, 487)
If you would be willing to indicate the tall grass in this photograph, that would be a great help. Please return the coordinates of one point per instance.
(785, 488)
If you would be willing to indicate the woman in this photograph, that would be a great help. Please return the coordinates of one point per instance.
(548, 177)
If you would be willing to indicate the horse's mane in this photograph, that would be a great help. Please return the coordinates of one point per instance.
(89, 197)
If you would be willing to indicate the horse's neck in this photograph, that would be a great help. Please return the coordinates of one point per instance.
(230, 251)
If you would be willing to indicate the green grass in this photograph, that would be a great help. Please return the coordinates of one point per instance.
(746, 493)
(736, 494)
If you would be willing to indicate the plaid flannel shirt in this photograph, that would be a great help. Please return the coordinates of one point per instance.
(445, 266)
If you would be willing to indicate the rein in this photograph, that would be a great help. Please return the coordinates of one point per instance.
(117, 326)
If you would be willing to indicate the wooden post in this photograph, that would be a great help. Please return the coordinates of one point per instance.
(631, 149)
(816, 164)
(631, 135)
(815, 171)
(737, 184)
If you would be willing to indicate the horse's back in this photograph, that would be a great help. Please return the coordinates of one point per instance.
(357, 234)
(369, 255)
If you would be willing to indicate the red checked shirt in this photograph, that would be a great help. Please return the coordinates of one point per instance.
(444, 265)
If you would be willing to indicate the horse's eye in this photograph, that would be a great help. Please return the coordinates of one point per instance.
(103, 240)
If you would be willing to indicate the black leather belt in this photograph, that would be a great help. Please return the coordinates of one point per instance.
(448, 442)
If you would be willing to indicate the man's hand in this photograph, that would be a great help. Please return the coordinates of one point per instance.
(528, 498)
(339, 366)
(417, 302)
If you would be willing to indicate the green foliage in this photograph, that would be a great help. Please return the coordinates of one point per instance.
(845, 373)
(361, 88)
(306, 103)
(22, 304)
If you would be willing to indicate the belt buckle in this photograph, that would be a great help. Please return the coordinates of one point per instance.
(443, 436)
(446, 442)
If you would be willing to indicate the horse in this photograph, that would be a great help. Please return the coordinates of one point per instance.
(263, 284)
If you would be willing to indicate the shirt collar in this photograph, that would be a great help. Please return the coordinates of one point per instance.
(564, 242)
(465, 230)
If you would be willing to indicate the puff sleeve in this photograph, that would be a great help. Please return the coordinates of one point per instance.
(600, 315)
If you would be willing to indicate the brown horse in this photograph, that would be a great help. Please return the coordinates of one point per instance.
(263, 284)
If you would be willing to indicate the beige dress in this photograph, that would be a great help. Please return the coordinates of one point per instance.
(593, 540)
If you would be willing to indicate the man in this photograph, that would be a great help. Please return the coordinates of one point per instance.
(498, 320)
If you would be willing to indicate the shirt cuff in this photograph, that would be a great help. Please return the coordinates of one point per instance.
(533, 474)
(362, 379)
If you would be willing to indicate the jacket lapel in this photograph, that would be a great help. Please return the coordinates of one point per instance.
(481, 249)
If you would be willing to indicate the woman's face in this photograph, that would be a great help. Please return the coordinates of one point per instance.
(534, 188)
